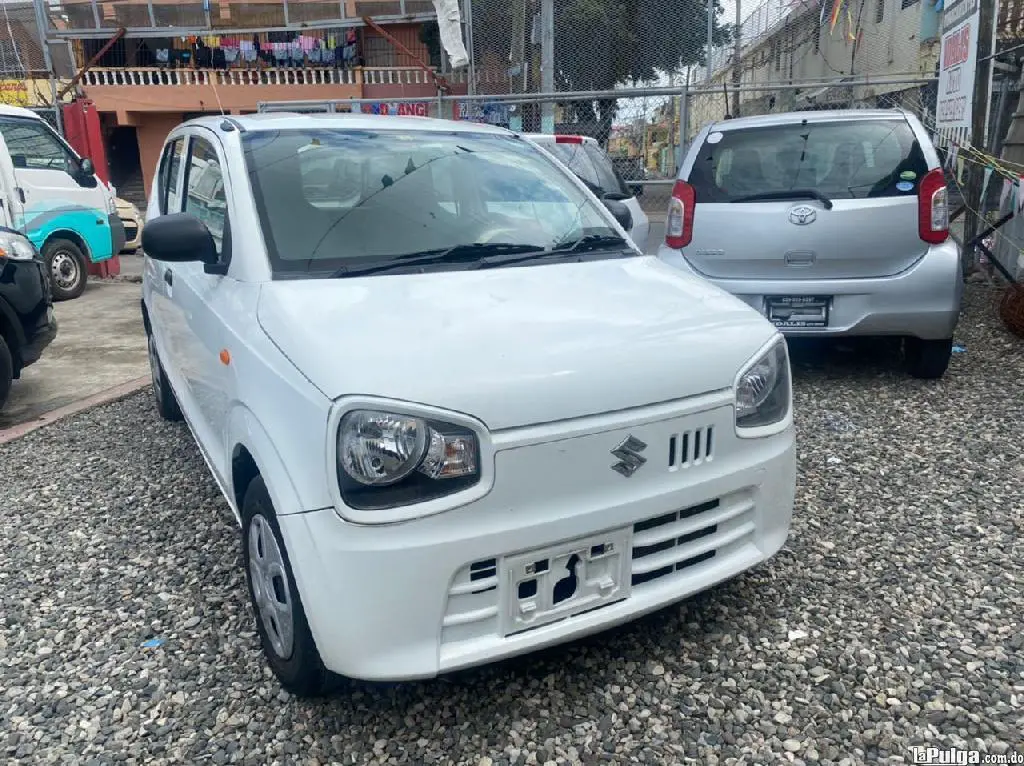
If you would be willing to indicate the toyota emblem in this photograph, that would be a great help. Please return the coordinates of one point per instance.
(802, 215)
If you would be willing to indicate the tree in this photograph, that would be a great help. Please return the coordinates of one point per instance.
(600, 44)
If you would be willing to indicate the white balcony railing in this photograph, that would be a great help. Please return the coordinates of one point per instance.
(150, 76)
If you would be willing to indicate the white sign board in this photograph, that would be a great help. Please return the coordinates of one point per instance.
(957, 65)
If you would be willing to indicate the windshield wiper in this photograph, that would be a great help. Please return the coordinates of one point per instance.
(590, 242)
(790, 194)
(476, 251)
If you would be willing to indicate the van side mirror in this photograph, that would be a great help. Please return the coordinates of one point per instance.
(178, 238)
(620, 211)
(88, 169)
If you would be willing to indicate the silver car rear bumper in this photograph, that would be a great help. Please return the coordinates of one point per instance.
(923, 301)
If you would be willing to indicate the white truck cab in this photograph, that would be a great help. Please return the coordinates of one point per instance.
(458, 415)
(53, 196)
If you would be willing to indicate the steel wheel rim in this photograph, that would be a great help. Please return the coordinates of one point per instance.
(65, 269)
(154, 369)
(270, 587)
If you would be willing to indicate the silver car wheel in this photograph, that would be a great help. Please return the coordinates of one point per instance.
(270, 587)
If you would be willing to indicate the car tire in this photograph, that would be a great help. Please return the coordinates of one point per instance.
(280, 618)
(927, 359)
(68, 269)
(6, 371)
(166, 402)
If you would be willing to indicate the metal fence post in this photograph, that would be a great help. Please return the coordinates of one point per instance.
(547, 63)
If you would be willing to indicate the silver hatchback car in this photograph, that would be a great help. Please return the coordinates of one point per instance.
(831, 223)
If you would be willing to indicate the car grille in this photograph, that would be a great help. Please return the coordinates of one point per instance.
(130, 231)
(673, 542)
(691, 448)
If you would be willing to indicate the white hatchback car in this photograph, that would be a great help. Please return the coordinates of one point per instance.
(584, 156)
(457, 415)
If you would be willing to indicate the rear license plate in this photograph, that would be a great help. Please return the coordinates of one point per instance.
(550, 584)
(792, 311)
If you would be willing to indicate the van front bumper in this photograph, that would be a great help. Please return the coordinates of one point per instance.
(417, 599)
(922, 302)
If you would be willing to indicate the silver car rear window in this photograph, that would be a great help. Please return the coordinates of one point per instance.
(854, 159)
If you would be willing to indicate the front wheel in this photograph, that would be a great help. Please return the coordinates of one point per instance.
(927, 359)
(166, 402)
(284, 632)
(6, 371)
(68, 268)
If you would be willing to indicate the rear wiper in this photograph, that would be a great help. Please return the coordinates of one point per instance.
(457, 254)
(791, 194)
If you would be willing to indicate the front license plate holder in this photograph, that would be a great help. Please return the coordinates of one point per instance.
(797, 311)
(550, 584)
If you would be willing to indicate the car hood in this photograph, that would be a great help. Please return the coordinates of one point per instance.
(516, 346)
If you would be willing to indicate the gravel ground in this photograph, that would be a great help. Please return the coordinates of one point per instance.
(892, 618)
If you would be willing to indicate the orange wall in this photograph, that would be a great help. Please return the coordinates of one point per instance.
(151, 130)
(198, 98)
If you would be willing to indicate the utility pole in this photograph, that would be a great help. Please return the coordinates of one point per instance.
(547, 64)
(979, 121)
(737, 59)
(711, 35)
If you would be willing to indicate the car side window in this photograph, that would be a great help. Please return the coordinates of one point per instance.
(205, 195)
(33, 146)
(170, 170)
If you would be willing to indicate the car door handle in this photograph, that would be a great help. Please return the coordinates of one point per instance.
(169, 277)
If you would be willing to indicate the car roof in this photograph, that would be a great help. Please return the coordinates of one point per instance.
(825, 115)
(345, 121)
(17, 111)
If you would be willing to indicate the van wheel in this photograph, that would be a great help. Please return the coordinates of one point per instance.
(284, 632)
(927, 359)
(6, 371)
(68, 268)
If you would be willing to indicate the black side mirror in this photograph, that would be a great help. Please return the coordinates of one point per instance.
(617, 209)
(87, 168)
(178, 237)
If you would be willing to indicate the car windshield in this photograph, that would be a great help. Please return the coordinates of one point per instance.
(853, 159)
(337, 199)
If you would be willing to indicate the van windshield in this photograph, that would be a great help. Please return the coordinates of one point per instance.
(328, 199)
(854, 159)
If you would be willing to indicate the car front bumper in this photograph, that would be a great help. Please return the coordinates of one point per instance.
(41, 337)
(415, 599)
(923, 301)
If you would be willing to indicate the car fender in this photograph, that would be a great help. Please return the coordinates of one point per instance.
(246, 431)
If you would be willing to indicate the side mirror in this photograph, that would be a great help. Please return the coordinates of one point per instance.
(178, 238)
(621, 213)
(88, 169)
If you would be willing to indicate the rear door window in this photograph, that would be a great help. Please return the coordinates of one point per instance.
(609, 179)
(855, 159)
(578, 162)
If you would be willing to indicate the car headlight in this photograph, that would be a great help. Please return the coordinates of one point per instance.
(16, 247)
(763, 390)
(387, 459)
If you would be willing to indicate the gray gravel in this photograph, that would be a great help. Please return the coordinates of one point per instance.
(892, 617)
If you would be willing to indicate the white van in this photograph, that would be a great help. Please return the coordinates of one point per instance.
(52, 195)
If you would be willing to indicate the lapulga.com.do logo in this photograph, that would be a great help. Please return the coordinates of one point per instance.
(938, 756)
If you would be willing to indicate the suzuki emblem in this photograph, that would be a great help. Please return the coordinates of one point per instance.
(629, 456)
(802, 215)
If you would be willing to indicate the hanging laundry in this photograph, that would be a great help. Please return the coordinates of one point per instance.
(1005, 196)
(985, 182)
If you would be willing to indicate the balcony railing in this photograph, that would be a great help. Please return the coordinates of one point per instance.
(157, 76)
